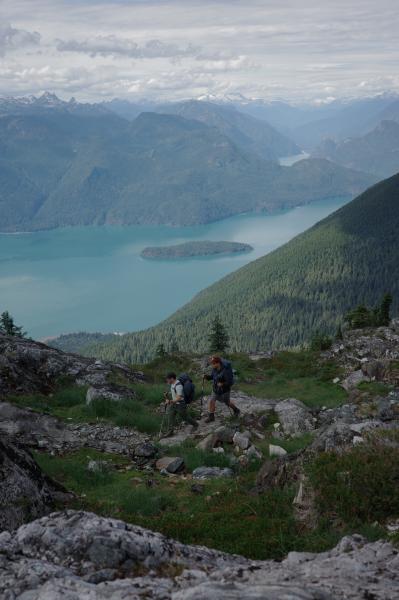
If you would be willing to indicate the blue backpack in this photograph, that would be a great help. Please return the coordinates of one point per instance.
(188, 388)
(228, 369)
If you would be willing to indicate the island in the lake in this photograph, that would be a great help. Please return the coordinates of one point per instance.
(193, 249)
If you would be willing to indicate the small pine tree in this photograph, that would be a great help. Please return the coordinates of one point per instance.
(218, 337)
(174, 347)
(384, 312)
(360, 317)
(8, 326)
(339, 335)
(320, 341)
(160, 351)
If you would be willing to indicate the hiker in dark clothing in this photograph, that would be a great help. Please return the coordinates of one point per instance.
(222, 378)
(178, 402)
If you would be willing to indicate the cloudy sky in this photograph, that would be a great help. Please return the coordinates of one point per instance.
(162, 49)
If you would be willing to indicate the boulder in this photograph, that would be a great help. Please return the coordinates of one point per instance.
(335, 437)
(241, 440)
(212, 472)
(29, 367)
(108, 392)
(276, 450)
(25, 491)
(171, 464)
(207, 443)
(254, 453)
(146, 450)
(294, 416)
(375, 369)
(99, 466)
(224, 435)
(34, 429)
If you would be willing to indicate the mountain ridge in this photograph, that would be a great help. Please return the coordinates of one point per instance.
(158, 169)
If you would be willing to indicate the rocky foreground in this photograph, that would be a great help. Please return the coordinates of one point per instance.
(79, 556)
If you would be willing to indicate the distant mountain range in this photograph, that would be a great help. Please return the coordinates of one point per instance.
(376, 152)
(65, 164)
(277, 301)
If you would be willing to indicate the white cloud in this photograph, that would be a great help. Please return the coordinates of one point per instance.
(176, 48)
(12, 38)
(112, 45)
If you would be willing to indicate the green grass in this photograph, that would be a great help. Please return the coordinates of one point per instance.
(294, 444)
(70, 404)
(375, 388)
(358, 487)
(193, 457)
(225, 516)
(298, 375)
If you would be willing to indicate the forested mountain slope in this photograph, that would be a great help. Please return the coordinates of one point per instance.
(71, 165)
(280, 299)
(376, 152)
(251, 134)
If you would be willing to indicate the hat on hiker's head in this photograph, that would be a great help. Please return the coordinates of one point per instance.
(216, 360)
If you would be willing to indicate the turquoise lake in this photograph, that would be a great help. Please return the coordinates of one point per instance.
(93, 278)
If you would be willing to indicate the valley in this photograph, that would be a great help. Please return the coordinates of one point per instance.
(76, 276)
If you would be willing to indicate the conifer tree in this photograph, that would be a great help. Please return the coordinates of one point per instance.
(160, 351)
(218, 337)
(174, 347)
(7, 325)
(385, 310)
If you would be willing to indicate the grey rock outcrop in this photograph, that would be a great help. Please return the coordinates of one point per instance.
(25, 492)
(28, 367)
(374, 346)
(353, 380)
(79, 556)
(38, 430)
(294, 416)
(212, 472)
(32, 428)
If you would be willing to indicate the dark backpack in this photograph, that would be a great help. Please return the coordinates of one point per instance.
(228, 371)
(188, 388)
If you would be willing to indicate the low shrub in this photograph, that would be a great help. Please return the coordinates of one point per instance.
(358, 487)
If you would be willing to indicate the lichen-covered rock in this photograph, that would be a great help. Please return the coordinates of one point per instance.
(25, 492)
(31, 367)
(294, 416)
(241, 440)
(108, 392)
(79, 556)
(353, 380)
(212, 472)
(276, 450)
(49, 433)
(33, 428)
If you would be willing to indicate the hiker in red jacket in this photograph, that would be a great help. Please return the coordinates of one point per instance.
(223, 379)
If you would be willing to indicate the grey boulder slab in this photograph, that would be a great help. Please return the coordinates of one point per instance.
(171, 464)
(212, 472)
(294, 416)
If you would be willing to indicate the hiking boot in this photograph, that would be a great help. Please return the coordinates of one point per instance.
(210, 418)
(236, 412)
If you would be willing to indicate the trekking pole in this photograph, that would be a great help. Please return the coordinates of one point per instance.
(162, 422)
